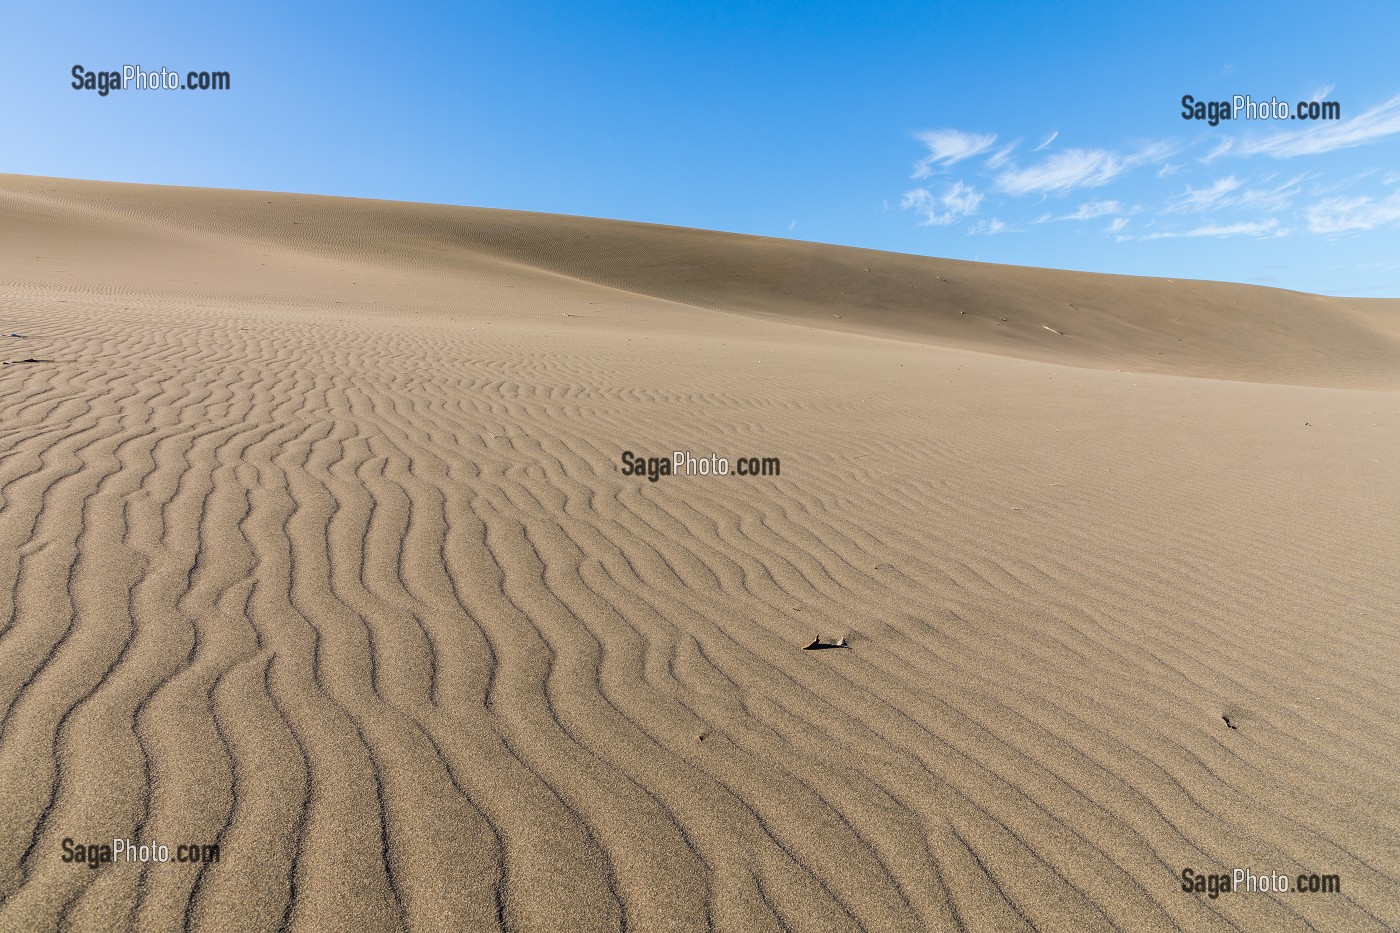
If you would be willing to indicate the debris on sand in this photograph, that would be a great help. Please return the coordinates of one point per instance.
(28, 360)
(818, 645)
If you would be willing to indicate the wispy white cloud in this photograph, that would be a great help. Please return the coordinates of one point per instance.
(1047, 141)
(1346, 215)
(1321, 93)
(1342, 184)
(1065, 171)
(1262, 228)
(1377, 123)
(961, 199)
(1272, 199)
(989, 227)
(955, 202)
(1091, 209)
(1118, 224)
(1076, 168)
(948, 147)
(1200, 199)
(1002, 155)
(1226, 193)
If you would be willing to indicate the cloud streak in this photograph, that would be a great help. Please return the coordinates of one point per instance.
(949, 147)
(1229, 192)
(1075, 168)
(957, 201)
(1263, 228)
(1091, 209)
(1200, 199)
(1002, 155)
(1065, 171)
(1375, 124)
(1350, 215)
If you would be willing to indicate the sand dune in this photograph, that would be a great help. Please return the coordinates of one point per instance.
(316, 545)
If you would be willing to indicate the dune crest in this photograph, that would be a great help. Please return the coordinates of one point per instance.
(1172, 326)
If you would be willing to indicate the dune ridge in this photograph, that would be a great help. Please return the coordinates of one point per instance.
(1183, 327)
(316, 546)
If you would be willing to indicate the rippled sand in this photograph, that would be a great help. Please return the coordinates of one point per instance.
(315, 545)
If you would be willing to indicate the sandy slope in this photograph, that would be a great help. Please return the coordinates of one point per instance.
(314, 543)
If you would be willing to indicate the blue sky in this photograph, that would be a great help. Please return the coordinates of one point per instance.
(1005, 132)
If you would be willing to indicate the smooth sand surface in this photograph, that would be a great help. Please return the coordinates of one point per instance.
(315, 544)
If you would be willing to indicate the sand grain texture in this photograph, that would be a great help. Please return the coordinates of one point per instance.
(314, 543)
